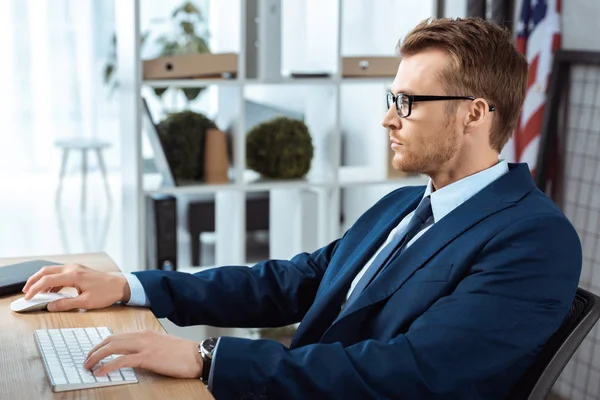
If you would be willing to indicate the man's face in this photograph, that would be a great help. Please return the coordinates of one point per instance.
(428, 139)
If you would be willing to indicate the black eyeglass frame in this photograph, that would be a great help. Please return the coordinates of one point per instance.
(391, 98)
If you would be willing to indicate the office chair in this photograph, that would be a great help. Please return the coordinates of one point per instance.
(556, 353)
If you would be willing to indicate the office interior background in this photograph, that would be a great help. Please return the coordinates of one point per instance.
(82, 168)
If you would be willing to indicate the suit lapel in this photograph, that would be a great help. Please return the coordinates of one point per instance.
(502, 193)
(327, 305)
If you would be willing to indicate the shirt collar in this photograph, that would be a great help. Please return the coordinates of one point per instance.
(446, 199)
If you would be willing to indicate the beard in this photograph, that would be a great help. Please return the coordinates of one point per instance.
(435, 151)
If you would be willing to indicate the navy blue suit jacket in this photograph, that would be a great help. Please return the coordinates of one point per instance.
(461, 314)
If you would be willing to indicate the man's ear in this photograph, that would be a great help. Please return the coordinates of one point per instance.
(477, 114)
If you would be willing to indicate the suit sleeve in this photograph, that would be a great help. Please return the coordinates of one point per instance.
(515, 295)
(271, 293)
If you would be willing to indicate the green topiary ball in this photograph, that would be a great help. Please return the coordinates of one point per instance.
(182, 136)
(279, 149)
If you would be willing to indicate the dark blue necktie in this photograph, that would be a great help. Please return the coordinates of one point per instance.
(422, 214)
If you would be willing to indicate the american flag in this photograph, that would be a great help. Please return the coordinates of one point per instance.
(538, 36)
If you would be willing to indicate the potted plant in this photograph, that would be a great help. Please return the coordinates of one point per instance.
(195, 148)
(280, 148)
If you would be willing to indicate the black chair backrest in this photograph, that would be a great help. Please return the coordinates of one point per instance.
(556, 353)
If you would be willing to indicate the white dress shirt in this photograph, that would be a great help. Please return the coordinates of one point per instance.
(443, 201)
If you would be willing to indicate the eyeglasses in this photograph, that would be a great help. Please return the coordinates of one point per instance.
(404, 102)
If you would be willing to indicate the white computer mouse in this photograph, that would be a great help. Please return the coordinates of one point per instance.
(37, 302)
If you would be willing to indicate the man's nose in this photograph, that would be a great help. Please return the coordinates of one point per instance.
(391, 120)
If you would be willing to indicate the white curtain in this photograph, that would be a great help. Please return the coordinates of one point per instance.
(53, 54)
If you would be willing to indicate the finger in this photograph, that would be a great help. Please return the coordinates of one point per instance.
(131, 360)
(49, 270)
(109, 339)
(67, 304)
(54, 289)
(48, 281)
(115, 347)
(129, 336)
(99, 346)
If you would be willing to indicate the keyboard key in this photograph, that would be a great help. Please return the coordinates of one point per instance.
(115, 377)
(129, 376)
(60, 381)
(102, 379)
(73, 379)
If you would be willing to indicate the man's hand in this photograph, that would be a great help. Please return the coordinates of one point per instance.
(96, 289)
(154, 351)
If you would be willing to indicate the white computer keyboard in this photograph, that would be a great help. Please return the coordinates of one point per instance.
(63, 352)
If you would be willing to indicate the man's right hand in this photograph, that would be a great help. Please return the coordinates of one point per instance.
(96, 289)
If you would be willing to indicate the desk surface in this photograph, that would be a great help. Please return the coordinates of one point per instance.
(22, 373)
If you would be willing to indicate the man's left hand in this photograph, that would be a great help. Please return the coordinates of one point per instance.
(154, 351)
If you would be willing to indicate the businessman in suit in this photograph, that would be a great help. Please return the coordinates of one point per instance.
(445, 291)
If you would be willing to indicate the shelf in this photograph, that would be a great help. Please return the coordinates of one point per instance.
(284, 80)
(194, 189)
(285, 184)
(196, 83)
(188, 83)
(363, 80)
(247, 187)
(289, 184)
(254, 183)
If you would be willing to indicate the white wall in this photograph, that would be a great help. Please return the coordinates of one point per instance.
(579, 23)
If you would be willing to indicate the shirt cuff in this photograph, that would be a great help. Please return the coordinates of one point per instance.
(212, 366)
(137, 293)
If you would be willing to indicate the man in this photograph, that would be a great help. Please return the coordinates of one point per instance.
(438, 292)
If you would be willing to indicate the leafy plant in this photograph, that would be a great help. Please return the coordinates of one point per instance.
(182, 136)
(280, 148)
(189, 36)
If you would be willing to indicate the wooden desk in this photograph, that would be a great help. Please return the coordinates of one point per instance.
(22, 374)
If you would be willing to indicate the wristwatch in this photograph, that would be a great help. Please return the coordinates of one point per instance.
(206, 348)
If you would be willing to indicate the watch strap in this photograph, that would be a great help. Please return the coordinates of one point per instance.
(206, 349)
(207, 362)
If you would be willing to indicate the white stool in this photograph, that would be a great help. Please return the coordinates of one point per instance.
(84, 145)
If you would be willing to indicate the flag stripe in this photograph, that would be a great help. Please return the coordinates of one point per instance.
(538, 37)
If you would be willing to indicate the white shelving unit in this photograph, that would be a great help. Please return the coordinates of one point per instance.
(304, 213)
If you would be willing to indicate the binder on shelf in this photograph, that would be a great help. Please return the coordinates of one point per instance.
(160, 159)
(161, 232)
(354, 67)
(190, 66)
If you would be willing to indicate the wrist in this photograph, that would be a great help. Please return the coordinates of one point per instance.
(125, 290)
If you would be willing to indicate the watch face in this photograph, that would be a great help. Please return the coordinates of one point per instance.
(209, 345)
